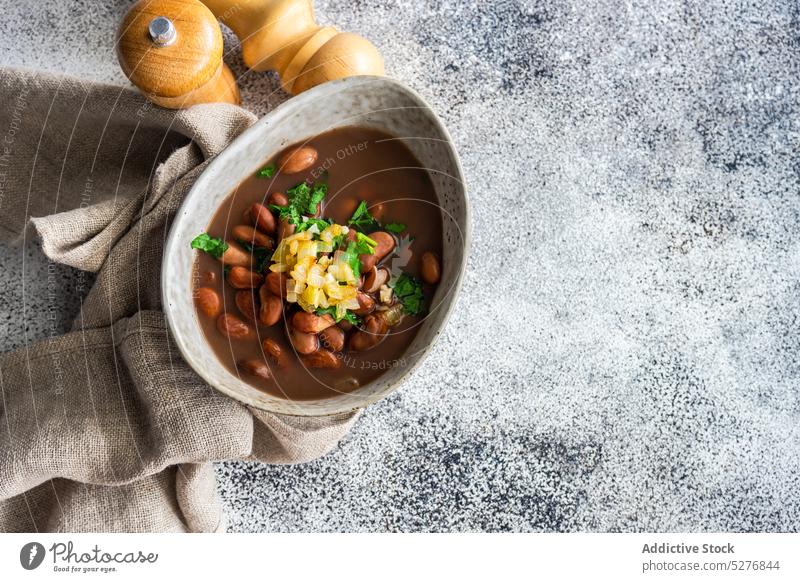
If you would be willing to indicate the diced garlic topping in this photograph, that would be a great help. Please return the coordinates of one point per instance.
(315, 279)
(386, 294)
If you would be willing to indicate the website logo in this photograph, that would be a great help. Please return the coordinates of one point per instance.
(31, 555)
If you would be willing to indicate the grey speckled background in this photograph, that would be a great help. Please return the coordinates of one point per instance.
(633, 169)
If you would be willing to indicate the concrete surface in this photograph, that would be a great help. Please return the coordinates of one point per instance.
(634, 174)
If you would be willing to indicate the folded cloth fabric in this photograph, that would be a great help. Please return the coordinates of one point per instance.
(105, 428)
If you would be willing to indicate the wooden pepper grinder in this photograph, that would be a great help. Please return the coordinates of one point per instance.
(282, 35)
(172, 51)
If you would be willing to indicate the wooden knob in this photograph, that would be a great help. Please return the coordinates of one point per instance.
(172, 51)
(282, 35)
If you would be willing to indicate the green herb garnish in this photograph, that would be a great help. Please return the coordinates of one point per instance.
(266, 171)
(348, 316)
(395, 227)
(350, 257)
(213, 246)
(362, 218)
(318, 193)
(321, 223)
(337, 240)
(409, 291)
(303, 199)
(299, 196)
(365, 245)
(289, 212)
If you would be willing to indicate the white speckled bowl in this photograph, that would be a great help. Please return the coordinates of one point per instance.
(377, 102)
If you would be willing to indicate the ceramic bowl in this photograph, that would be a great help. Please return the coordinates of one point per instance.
(375, 102)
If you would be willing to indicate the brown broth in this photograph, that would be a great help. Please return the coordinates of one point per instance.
(357, 164)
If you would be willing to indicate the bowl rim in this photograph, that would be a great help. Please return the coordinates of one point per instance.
(279, 112)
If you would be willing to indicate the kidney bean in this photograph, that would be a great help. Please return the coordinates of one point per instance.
(276, 283)
(233, 327)
(242, 278)
(376, 325)
(262, 217)
(311, 323)
(368, 262)
(276, 352)
(303, 343)
(386, 244)
(285, 229)
(271, 307)
(236, 256)
(360, 341)
(322, 359)
(366, 304)
(431, 271)
(208, 301)
(251, 236)
(345, 325)
(374, 279)
(333, 338)
(373, 332)
(246, 302)
(278, 199)
(297, 159)
(256, 368)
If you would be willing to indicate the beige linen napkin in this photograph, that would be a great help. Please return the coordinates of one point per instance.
(105, 428)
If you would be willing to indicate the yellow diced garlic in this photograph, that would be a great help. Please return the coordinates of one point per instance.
(315, 276)
(386, 293)
(311, 296)
(306, 249)
(349, 304)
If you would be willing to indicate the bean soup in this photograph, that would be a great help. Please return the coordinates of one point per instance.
(315, 273)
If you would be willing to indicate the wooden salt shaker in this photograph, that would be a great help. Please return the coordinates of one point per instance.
(172, 51)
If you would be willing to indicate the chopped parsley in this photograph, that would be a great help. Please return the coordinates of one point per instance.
(266, 171)
(365, 221)
(337, 240)
(350, 257)
(303, 199)
(307, 223)
(365, 245)
(318, 193)
(213, 246)
(395, 227)
(409, 291)
(306, 198)
(289, 212)
(362, 218)
(348, 316)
